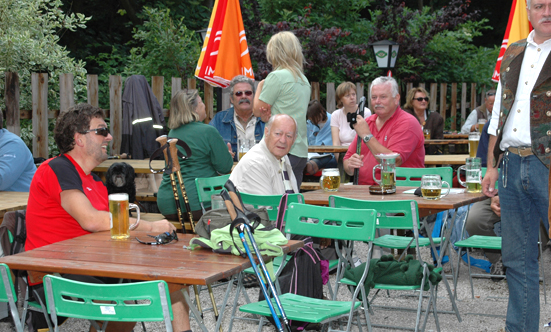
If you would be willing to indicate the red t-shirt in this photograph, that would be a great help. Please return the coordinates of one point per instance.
(47, 222)
(400, 134)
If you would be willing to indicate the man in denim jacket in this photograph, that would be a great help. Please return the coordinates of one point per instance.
(238, 121)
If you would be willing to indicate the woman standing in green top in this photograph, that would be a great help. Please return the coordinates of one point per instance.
(209, 154)
(286, 90)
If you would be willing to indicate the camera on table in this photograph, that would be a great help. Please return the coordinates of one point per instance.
(352, 117)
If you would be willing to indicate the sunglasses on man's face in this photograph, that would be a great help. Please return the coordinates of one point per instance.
(103, 131)
(240, 93)
(420, 99)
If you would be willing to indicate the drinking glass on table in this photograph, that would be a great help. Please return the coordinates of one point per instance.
(330, 179)
(474, 138)
(473, 170)
(426, 133)
(244, 145)
(431, 187)
(120, 216)
(481, 124)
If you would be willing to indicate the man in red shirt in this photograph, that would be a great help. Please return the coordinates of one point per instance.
(67, 200)
(389, 130)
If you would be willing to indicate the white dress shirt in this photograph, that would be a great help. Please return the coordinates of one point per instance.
(516, 131)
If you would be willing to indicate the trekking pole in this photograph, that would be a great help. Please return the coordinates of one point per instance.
(163, 140)
(360, 110)
(243, 225)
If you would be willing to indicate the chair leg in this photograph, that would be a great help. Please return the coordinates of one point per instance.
(470, 273)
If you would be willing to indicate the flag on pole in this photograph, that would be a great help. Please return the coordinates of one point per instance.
(225, 53)
(518, 28)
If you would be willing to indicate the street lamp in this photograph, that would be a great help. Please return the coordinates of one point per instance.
(386, 53)
(203, 34)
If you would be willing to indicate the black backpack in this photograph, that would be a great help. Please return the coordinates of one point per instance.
(14, 222)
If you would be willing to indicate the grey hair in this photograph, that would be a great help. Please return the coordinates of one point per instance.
(241, 79)
(272, 119)
(384, 80)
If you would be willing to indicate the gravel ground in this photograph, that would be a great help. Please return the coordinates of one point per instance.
(486, 312)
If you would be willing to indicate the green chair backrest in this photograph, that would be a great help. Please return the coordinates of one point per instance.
(7, 290)
(271, 202)
(210, 186)
(411, 177)
(76, 299)
(331, 223)
(390, 214)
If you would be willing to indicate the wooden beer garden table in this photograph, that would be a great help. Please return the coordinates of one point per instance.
(12, 201)
(327, 149)
(96, 254)
(446, 141)
(456, 136)
(446, 159)
(140, 166)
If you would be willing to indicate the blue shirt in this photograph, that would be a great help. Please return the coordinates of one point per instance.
(323, 136)
(225, 123)
(16, 163)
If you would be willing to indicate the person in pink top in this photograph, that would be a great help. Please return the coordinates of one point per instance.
(389, 130)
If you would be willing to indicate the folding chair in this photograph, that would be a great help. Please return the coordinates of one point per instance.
(206, 187)
(8, 294)
(407, 176)
(114, 302)
(400, 215)
(336, 224)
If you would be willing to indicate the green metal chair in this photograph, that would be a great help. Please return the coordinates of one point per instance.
(336, 224)
(114, 302)
(8, 295)
(411, 177)
(206, 187)
(399, 215)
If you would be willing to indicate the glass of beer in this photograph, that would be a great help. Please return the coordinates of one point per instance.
(473, 175)
(120, 217)
(431, 187)
(426, 133)
(330, 179)
(474, 138)
(481, 124)
(243, 146)
(388, 172)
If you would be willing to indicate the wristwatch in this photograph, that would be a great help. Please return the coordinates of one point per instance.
(366, 138)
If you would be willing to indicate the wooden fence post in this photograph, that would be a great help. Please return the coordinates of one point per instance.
(66, 92)
(12, 103)
(463, 103)
(443, 101)
(176, 86)
(226, 102)
(330, 102)
(115, 116)
(473, 98)
(157, 85)
(454, 106)
(191, 83)
(315, 94)
(209, 104)
(359, 91)
(92, 89)
(433, 90)
(39, 87)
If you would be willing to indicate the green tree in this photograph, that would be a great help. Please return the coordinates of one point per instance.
(29, 34)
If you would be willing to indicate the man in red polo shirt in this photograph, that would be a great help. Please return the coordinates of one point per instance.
(67, 200)
(389, 130)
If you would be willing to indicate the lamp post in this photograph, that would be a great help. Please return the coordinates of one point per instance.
(386, 53)
(202, 34)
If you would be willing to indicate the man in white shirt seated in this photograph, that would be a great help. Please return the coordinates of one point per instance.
(265, 169)
(483, 111)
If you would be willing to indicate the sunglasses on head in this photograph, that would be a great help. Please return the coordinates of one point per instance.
(103, 131)
(240, 93)
(490, 94)
(421, 99)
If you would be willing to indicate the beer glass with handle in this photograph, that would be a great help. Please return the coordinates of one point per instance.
(330, 179)
(120, 217)
(431, 187)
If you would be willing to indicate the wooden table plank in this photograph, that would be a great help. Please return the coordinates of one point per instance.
(446, 159)
(456, 136)
(426, 207)
(327, 148)
(12, 201)
(446, 141)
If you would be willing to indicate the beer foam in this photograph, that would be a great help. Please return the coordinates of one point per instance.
(118, 197)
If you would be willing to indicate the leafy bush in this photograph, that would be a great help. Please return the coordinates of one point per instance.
(29, 36)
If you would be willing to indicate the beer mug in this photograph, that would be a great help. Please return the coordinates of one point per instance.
(330, 179)
(243, 146)
(431, 187)
(481, 124)
(474, 138)
(120, 216)
(388, 172)
(426, 133)
(473, 170)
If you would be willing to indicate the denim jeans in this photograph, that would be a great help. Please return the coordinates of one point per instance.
(524, 200)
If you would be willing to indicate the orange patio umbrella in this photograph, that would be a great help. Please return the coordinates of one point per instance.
(518, 28)
(225, 53)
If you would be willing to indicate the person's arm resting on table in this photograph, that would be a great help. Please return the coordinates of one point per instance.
(79, 207)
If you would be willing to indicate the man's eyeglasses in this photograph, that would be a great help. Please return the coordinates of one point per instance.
(420, 99)
(240, 93)
(163, 238)
(103, 131)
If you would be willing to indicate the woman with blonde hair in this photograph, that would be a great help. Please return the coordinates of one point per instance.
(286, 91)
(417, 102)
(210, 156)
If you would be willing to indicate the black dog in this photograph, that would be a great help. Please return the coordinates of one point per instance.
(120, 179)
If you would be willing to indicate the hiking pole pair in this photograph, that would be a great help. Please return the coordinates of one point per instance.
(171, 157)
(239, 218)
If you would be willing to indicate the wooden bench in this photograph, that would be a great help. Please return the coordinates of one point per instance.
(307, 186)
(146, 196)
